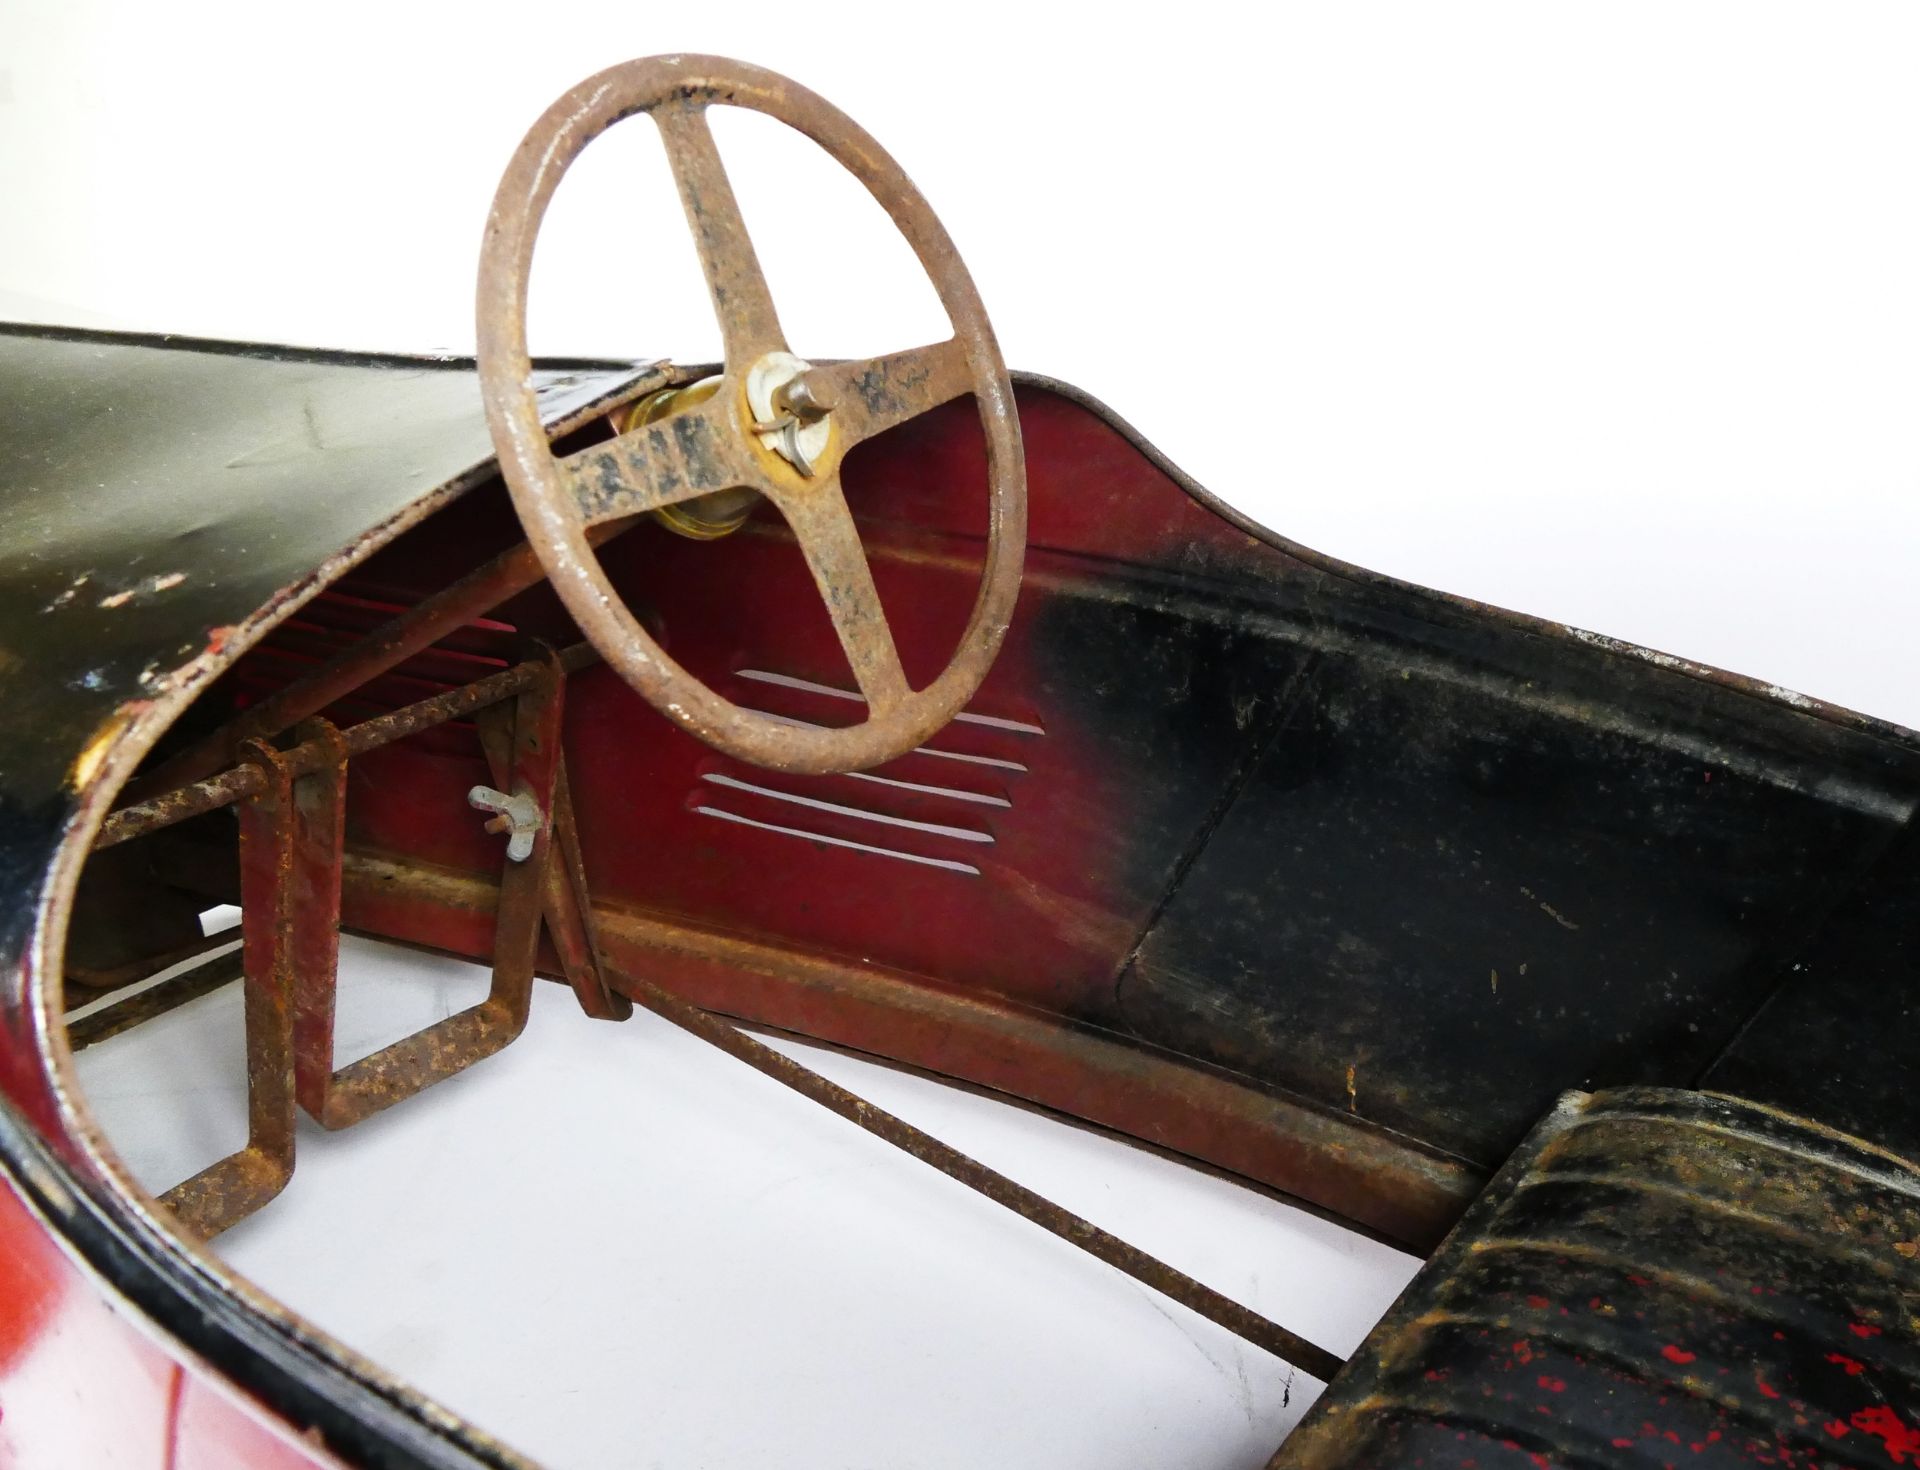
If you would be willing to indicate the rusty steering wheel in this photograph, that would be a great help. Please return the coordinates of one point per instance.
(776, 425)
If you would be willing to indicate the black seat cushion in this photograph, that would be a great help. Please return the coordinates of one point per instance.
(1656, 1278)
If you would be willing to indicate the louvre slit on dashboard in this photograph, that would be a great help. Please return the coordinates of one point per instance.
(933, 807)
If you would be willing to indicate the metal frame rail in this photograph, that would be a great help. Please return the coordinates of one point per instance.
(291, 852)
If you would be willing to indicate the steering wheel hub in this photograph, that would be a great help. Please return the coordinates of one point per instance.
(799, 434)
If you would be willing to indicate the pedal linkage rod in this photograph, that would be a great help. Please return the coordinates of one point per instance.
(1148, 1270)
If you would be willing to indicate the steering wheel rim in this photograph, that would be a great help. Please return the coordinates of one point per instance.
(715, 446)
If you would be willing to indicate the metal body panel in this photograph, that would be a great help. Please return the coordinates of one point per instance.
(1835, 1041)
(66, 1344)
(1231, 833)
(1580, 883)
(160, 498)
(1413, 863)
(164, 502)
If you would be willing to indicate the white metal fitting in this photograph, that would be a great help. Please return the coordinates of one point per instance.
(516, 815)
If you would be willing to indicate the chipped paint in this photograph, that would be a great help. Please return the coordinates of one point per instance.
(162, 582)
(1902, 1440)
(1550, 911)
(87, 764)
(72, 591)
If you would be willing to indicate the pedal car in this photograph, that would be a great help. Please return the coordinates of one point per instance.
(924, 709)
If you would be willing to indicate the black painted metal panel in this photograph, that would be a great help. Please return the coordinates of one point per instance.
(1472, 870)
(1841, 1039)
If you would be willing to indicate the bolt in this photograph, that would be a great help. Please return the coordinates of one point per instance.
(805, 398)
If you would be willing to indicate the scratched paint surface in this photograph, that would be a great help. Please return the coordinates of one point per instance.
(155, 495)
(161, 502)
(159, 498)
(1430, 866)
(1384, 699)
(1453, 887)
(80, 1385)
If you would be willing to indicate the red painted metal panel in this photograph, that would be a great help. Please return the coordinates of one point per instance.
(216, 1431)
(1009, 855)
(80, 1385)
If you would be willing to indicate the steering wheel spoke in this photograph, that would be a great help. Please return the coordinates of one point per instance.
(694, 452)
(749, 325)
(828, 537)
(870, 396)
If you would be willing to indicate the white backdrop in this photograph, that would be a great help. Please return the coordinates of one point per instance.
(1606, 313)
(1609, 314)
